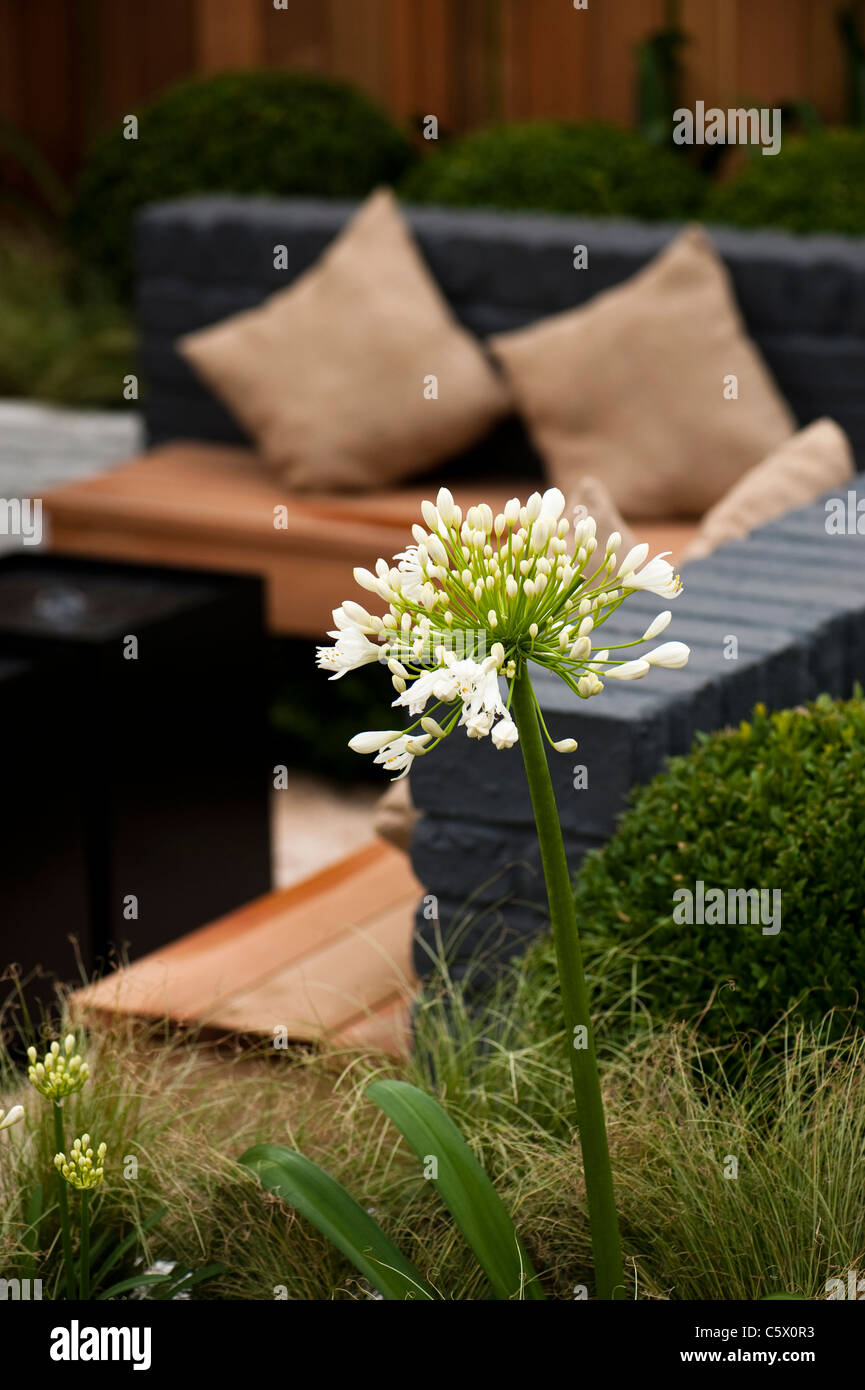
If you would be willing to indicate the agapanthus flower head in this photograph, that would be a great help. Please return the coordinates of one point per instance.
(83, 1168)
(478, 596)
(8, 1118)
(60, 1073)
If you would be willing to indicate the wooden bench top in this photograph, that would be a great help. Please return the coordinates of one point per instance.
(329, 957)
(211, 506)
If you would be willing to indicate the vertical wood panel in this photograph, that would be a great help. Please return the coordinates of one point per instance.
(614, 68)
(71, 67)
(298, 38)
(825, 69)
(771, 56)
(359, 45)
(229, 35)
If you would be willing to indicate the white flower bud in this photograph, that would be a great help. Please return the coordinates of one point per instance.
(445, 506)
(671, 655)
(437, 551)
(432, 727)
(629, 670)
(635, 557)
(372, 741)
(660, 624)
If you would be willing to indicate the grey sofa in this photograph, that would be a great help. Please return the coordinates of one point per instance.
(792, 595)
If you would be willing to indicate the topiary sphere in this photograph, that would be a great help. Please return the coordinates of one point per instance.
(269, 132)
(814, 184)
(554, 166)
(776, 804)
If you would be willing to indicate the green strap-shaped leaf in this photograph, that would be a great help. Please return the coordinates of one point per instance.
(325, 1202)
(463, 1185)
(30, 1238)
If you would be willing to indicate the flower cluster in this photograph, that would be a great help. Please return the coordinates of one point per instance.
(78, 1169)
(11, 1117)
(59, 1073)
(477, 597)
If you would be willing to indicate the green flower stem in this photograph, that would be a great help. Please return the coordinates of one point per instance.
(606, 1245)
(65, 1229)
(84, 1254)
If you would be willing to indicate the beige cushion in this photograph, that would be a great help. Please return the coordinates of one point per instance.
(328, 375)
(817, 458)
(630, 387)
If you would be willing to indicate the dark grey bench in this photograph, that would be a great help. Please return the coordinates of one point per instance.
(792, 595)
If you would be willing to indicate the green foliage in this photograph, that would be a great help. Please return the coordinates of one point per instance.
(313, 718)
(271, 132)
(462, 1183)
(63, 337)
(814, 184)
(326, 1204)
(550, 166)
(797, 1120)
(775, 804)
(463, 1186)
(659, 79)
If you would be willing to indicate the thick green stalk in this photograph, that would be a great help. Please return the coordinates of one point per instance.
(84, 1253)
(65, 1229)
(606, 1246)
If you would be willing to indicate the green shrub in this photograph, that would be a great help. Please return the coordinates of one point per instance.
(775, 804)
(63, 337)
(551, 166)
(814, 184)
(269, 132)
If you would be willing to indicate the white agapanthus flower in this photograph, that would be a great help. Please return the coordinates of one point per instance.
(476, 597)
(8, 1118)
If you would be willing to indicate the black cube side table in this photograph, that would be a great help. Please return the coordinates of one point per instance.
(166, 751)
(45, 907)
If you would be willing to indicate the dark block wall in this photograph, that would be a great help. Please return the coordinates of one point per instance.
(200, 259)
(794, 598)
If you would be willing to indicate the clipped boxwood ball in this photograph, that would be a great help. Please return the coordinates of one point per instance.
(553, 166)
(777, 804)
(814, 184)
(279, 133)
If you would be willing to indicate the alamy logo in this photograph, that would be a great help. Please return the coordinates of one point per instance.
(738, 126)
(20, 1289)
(22, 516)
(714, 907)
(76, 1343)
(845, 516)
(854, 1287)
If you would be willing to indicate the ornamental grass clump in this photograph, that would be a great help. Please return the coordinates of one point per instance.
(83, 1273)
(468, 608)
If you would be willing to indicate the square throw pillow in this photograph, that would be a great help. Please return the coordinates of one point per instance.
(815, 459)
(654, 387)
(357, 375)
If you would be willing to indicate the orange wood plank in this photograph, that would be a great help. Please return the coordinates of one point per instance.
(386, 1029)
(328, 956)
(358, 970)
